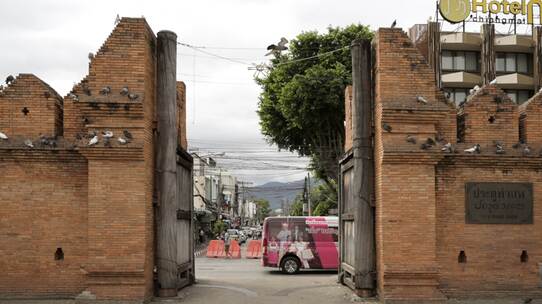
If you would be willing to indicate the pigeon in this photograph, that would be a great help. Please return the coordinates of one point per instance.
(447, 148)
(122, 141)
(516, 145)
(73, 96)
(476, 88)
(127, 134)
(430, 141)
(500, 148)
(425, 146)
(526, 151)
(10, 79)
(90, 56)
(394, 24)
(44, 140)
(107, 142)
(124, 91)
(411, 139)
(117, 20)
(475, 149)
(105, 90)
(386, 127)
(93, 141)
(420, 99)
(28, 143)
(133, 96)
(277, 49)
(107, 134)
(3, 136)
(494, 81)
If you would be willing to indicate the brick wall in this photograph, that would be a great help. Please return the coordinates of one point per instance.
(490, 116)
(420, 200)
(531, 122)
(30, 108)
(44, 207)
(96, 202)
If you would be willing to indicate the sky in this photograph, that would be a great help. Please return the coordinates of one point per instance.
(52, 39)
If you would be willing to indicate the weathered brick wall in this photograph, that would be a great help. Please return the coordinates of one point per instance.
(111, 217)
(44, 207)
(420, 200)
(532, 119)
(30, 108)
(493, 252)
(490, 116)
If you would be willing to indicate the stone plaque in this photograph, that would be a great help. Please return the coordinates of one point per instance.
(499, 203)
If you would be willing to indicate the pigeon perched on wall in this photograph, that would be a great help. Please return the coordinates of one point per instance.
(93, 141)
(28, 143)
(448, 148)
(526, 150)
(73, 97)
(475, 149)
(127, 134)
(122, 141)
(425, 146)
(386, 127)
(117, 20)
(90, 56)
(124, 91)
(394, 23)
(421, 100)
(105, 90)
(133, 97)
(107, 134)
(494, 81)
(3, 136)
(430, 141)
(499, 148)
(411, 139)
(278, 48)
(10, 79)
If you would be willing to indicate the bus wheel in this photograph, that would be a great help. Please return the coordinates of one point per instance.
(290, 265)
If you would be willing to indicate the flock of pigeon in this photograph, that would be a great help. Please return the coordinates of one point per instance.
(105, 91)
(93, 139)
(476, 149)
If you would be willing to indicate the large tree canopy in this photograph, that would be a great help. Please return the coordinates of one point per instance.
(301, 106)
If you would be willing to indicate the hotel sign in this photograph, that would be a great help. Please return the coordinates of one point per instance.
(498, 11)
(499, 203)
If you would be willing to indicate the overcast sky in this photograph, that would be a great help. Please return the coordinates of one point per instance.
(53, 38)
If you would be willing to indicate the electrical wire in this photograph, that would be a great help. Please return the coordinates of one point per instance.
(199, 49)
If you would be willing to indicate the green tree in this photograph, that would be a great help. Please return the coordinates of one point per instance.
(219, 227)
(323, 198)
(262, 209)
(296, 209)
(301, 105)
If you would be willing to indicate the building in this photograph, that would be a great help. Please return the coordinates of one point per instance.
(461, 58)
(77, 219)
(457, 188)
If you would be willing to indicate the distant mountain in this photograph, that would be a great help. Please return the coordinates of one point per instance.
(277, 192)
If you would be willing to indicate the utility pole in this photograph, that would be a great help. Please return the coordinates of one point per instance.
(363, 166)
(166, 162)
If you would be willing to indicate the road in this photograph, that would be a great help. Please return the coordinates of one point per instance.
(225, 281)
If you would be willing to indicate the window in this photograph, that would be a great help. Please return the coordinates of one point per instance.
(460, 61)
(457, 95)
(514, 63)
(519, 96)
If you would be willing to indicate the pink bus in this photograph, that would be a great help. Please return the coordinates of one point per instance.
(303, 242)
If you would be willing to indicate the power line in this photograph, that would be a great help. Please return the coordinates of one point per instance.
(312, 57)
(199, 49)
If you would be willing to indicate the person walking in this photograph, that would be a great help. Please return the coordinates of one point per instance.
(227, 241)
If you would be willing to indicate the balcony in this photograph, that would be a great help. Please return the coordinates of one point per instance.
(460, 80)
(461, 41)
